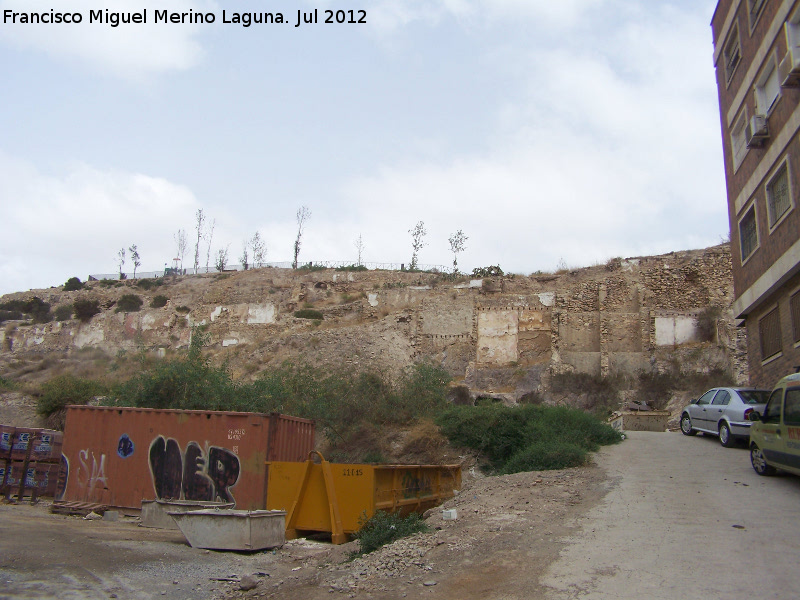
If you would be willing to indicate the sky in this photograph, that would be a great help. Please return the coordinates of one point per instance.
(550, 133)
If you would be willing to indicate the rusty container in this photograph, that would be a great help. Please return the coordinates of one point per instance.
(6, 441)
(121, 456)
(22, 443)
(335, 498)
(46, 445)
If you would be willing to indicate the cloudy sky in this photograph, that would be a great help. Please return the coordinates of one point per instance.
(550, 133)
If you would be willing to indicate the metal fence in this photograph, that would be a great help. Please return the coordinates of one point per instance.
(319, 264)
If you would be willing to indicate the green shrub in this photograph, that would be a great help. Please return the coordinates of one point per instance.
(183, 309)
(10, 315)
(526, 437)
(73, 284)
(36, 309)
(384, 528)
(311, 267)
(493, 271)
(129, 303)
(67, 389)
(159, 301)
(6, 385)
(64, 312)
(307, 313)
(352, 268)
(85, 309)
(149, 284)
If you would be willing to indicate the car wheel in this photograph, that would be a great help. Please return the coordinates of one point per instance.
(725, 437)
(758, 461)
(686, 425)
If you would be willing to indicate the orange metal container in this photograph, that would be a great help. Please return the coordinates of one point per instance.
(336, 498)
(121, 456)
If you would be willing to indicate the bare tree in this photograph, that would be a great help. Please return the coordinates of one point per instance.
(259, 249)
(199, 220)
(121, 261)
(209, 236)
(134, 259)
(245, 254)
(180, 245)
(458, 242)
(222, 258)
(359, 243)
(417, 242)
(303, 214)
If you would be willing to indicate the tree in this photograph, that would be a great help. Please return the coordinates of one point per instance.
(303, 214)
(199, 220)
(259, 250)
(245, 254)
(458, 242)
(180, 245)
(222, 258)
(417, 242)
(359, 243)
(210, 236)
(134, 259)
(121, 262)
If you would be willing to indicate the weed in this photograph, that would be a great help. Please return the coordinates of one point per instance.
(66, 389)
(384, 528)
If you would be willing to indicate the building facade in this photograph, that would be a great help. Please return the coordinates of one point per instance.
(757, 60)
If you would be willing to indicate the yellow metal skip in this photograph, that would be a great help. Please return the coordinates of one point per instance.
(336, 498)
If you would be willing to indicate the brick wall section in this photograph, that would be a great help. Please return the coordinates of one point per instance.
(767, 373)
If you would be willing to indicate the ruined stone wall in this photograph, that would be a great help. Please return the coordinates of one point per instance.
(621, 317)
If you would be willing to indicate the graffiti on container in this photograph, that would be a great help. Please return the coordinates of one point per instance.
(194, 474)
(414, 486)
(91, 472)
(125, 446)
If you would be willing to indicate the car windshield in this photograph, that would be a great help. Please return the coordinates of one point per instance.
(754, 396)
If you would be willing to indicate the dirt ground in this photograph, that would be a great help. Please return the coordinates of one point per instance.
(638, 523)
(509, 524)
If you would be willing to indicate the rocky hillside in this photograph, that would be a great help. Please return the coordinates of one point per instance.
(608, 330)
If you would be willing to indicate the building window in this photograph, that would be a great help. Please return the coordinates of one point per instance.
(739, 140)
(755, 11)
(731, 53)
(768, 89)
(794, 306)
(748, 233)
(779, 196)
(769, 333)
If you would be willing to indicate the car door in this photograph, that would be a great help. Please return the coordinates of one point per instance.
(699, 410)
(772, 429)
(718, 408)
(791, 420)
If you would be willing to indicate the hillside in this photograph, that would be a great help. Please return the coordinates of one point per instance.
(592, 337)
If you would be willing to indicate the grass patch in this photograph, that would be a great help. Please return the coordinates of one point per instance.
(384, 528)
(527, 438)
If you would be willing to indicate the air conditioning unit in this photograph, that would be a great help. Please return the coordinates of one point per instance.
(757, 131)
(789, 68)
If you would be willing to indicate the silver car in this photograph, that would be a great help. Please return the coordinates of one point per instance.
(723, 412)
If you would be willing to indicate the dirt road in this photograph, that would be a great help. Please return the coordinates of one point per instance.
(659, 516)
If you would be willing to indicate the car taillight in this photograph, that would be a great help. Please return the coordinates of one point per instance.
(747, 414)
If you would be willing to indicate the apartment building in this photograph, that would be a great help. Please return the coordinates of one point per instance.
(757, 59)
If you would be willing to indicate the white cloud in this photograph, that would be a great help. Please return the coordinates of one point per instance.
(127, 51)
(72, 224)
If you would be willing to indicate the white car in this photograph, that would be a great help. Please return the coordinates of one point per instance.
(724, 412)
